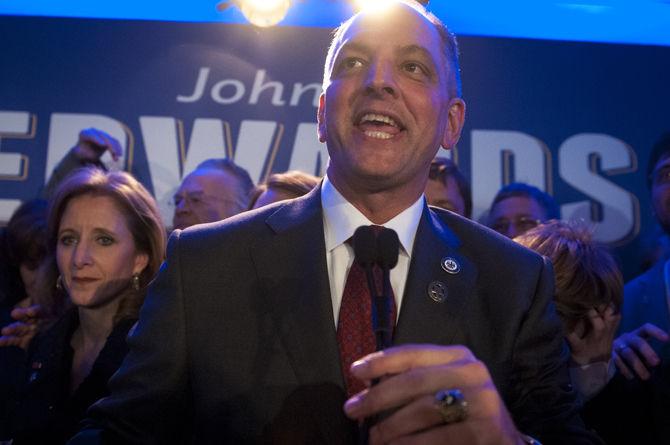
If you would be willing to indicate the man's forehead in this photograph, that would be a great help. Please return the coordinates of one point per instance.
(399, 19)
(408, 28)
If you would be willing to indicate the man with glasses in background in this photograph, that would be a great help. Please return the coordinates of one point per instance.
(215, 190)
(519, 207)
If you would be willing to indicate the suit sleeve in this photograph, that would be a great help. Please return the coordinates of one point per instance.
(545, 403)
(151, 388)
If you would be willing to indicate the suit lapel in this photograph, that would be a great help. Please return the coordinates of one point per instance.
(422, 319)
(292, 270)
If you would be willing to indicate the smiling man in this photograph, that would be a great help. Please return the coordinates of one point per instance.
(246, 335)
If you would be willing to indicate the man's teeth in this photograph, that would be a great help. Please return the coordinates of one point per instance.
(378, 134)
(378, 118)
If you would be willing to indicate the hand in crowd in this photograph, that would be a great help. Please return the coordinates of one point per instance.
(93, 143)
(632, 353)
(411, 377)
(591, 340)
(22, 331)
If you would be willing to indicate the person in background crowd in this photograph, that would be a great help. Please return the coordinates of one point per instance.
(447, 188)
(251, 332)
(281, 186)
(519, 207)
(642, 350)
(88, 151)
(588, 296)
(106, 242)
(23, 248)
(646, 312)
(215, 190)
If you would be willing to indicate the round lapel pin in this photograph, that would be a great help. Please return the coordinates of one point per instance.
(437, 291)
(450, 265)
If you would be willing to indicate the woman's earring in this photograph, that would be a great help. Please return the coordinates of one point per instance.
(136, 282)
(59, 282)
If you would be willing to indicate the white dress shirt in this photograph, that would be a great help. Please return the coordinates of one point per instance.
(340, 221)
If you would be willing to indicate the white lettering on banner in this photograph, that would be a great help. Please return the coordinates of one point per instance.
(308, 155)
(491, 164)
(259, 87)
(64, 132)
(209, 138)
(200, 82)
(164, 146)
(257, 140)
(216, 91)
(230, 91)
(14, 166)
(15, 124)
(613, 211)
(585, 161)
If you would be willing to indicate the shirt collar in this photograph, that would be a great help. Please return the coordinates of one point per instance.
(341, 219)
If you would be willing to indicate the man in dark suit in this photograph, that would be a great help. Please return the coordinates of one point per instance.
(237, 341)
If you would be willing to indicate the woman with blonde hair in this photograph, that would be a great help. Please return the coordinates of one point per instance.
(106, 242)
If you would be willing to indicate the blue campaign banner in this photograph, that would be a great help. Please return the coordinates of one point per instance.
(576, 119)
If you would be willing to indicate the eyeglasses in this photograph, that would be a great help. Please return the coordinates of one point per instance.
(522, 224)
(198, 199)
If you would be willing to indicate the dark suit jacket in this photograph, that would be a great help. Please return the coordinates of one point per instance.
(236, 341)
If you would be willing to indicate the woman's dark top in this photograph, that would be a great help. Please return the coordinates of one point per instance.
(44, 411)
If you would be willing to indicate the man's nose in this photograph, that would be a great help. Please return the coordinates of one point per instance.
(181, 206)
(381, 79)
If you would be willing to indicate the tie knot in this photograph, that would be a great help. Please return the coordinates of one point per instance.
(376, 229)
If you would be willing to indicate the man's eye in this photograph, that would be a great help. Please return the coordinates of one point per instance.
(414, 68)
(352, 63)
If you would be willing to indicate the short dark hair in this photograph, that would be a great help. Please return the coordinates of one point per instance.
(244, 181)
(294, 182)
(449, 43)
(27, 233)
(443, 168)
(515, 189)
(24, 243)
(660, 150)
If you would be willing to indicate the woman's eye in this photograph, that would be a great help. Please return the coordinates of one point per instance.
(67, 240)
(105, 240)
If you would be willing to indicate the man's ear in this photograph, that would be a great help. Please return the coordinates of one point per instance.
(321, 118)
(455, 121)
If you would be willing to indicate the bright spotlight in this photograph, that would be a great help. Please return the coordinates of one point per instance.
(264, 12)
(377, 5)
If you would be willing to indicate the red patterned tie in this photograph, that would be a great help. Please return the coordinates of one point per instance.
(354, 326)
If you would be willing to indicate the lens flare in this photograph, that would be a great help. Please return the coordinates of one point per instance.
(264, 12)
